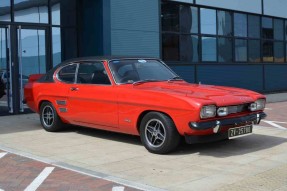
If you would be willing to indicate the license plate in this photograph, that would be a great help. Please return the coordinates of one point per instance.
(239, 131)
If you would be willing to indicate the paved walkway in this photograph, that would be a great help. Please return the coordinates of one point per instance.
(255, 162)
(21, 173)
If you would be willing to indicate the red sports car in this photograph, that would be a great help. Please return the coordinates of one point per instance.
(141, 96)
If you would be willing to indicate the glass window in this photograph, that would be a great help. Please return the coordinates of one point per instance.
(224, 23)
(253, 26)
(67, 73)
(286, 52)
(208, 21)
(189, 48)
(278, 52)
(278, 29)
(285, 29)
(31, 11)
(267, 28)
(170, 17)
(188, 19)
(55, 8)
(225, 49)
(130, 71)
(254, 51)
(56, 46)
(240, 25)
(267, 50)
(3, 49)
(170, 43)
(240, 50)
(92, 73)
(209, 50)
(5, 14)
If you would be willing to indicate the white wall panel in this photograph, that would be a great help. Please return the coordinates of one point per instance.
(252, 6)
(277, 8)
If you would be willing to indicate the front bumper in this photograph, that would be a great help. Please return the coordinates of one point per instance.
(217, 124)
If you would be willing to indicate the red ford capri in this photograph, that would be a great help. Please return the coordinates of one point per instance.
(141, 96)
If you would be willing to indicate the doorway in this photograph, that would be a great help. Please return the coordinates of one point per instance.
(23, 51)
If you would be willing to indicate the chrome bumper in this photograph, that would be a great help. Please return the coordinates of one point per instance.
(216, 124)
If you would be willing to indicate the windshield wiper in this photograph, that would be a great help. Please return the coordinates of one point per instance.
(144, 81)
(175, 78)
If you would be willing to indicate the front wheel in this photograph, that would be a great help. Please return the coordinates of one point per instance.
(49, 118)
(158, 133)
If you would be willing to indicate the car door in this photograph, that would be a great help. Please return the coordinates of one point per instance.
(93, 99)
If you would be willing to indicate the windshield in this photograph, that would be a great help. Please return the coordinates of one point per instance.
(131, 71)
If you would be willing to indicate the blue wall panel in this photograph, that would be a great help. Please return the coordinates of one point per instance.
(186, 72)
(91, 32)
(135, 27)
(276, 77)
(242, 76)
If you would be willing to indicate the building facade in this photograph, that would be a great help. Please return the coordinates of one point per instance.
(237, 43)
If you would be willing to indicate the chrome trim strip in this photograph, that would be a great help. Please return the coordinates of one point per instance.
(61, 102)
(63, 110)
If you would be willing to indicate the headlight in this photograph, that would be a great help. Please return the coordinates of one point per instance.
(222, 111)
(208, 111)
(257, 105)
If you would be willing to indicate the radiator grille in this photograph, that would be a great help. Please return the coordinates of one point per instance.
(238, 108)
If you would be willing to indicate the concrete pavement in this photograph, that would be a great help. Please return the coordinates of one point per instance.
(255, 162)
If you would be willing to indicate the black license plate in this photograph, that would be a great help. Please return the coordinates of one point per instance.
(239, 131)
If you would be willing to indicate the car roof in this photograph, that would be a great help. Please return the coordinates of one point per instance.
(107, 58)
(49, 74)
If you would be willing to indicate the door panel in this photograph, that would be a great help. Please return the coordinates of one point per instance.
(92, 100)
(93, 105)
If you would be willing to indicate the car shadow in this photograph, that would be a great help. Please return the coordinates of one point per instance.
(108, 135)
(220, 149)
(227, 148)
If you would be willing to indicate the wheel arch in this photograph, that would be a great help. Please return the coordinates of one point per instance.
(142, 114)
(41, 102)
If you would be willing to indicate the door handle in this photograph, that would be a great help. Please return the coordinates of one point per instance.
(74, 89)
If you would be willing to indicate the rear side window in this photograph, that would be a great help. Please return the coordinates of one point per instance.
(67, 73)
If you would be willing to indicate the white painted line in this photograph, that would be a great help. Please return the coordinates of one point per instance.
(1, 189)
(40, 179)
(2, 155)
(118, 188)
(278, 122)
(268, 108)
(274, 124)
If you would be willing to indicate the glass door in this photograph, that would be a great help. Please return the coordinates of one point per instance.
(6, 102)
(32, 56)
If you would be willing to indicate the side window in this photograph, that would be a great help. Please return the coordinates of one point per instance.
(67, 73)
(92, 73)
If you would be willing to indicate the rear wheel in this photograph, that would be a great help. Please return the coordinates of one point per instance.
(158, 133)
(49, 118)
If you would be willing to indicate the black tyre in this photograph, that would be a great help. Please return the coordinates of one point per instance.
(158, 133)
(49, 118)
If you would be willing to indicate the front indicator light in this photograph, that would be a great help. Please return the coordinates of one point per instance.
(222, 111)
(208, 111)
(253, 107)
